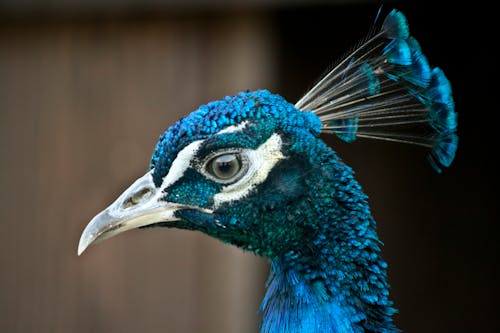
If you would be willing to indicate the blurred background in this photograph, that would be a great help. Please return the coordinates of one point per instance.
(86, 88)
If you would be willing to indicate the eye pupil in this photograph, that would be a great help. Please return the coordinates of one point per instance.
(225, 166)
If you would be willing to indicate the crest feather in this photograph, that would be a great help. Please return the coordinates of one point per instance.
(385, 89)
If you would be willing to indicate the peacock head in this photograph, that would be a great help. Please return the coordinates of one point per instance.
(251, 169)
(244, 169)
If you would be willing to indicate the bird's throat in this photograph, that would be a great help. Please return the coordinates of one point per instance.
(294, 305)
(330, 299)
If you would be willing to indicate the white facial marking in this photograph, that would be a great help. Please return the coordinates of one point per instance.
(233, 128)
(261, 162)
(181, 163)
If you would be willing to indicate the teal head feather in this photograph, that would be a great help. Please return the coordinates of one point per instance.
(251, 170)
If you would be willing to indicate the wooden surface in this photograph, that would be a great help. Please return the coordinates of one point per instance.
(81, 107)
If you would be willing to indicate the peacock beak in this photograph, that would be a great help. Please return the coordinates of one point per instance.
(138, 206)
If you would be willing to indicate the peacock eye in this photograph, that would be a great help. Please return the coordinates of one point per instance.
(226, 168)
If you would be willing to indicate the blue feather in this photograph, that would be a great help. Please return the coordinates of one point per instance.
(387, 90)
(443, 117)
(372, 81)
(347, 128)
(292, 305)
(444, 151)
(413, 44)
(397, 52)
(439, 88)
(395, 25)
(367, 84)
(419, 72)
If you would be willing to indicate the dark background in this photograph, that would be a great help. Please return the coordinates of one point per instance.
(86, 88)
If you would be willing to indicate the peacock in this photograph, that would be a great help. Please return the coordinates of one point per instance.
(251, 170)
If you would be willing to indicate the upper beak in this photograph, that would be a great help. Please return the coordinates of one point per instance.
(138, 206)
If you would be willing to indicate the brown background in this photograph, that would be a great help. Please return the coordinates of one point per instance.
(86, 88)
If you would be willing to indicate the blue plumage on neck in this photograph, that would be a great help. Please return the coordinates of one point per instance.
(335, 281)
(293, 304)
(296, 304)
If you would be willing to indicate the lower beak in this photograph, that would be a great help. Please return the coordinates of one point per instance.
(138, 206)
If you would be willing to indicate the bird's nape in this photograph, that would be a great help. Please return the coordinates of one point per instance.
(251, 170)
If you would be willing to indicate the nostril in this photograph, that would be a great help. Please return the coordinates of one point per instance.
(137, 197)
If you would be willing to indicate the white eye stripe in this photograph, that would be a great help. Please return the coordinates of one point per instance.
(261, 161)
(188, 153)
(233, 128)
(181, 163)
